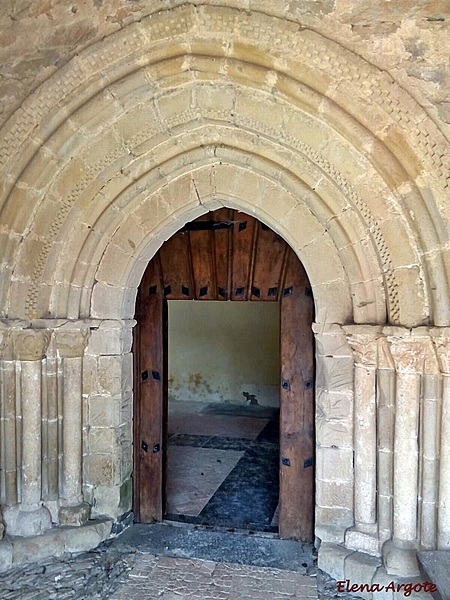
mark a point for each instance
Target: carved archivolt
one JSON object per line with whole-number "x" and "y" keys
{"x": 149, "y": 102}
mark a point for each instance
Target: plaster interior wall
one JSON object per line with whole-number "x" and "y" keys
{"x": 217, "y": 350}
{"x": 326, "y": 120}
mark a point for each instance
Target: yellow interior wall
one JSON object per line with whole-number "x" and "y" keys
{"x": 217, "y": 350}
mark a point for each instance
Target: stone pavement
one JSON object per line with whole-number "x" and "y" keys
{"x": 168, "y": 578}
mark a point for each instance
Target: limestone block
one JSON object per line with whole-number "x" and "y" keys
{"x": 176, "y": 107}
{"x": 102, "y": 439}
{"x": 129, "y": 236}
{"x": 5, "y": 555}
{"x": 137, "y": 125}
{"x": 334, "y": 464}
{"x": 360, "y": 568}
{"x": 106, "y": 302}
{"x": 101, "y": 469}
{"x": 102, "y": 109}
{"x": 128, "y": 303}
{"x": 218, "y": 100}
{"x": 248, "y": 110}
{"x": 90, "y": 375}
{"x": 104, "y": 411}
{"x": 111, "y": 337}
{"x": 27, "y": 522}
{"x": 114, "y": 264}
{"x": 86, "y": 537}
{"x": 335, "y": 373}
{"x": 411, "y": 295}
{"x": 31, "y": 549}
{"x": 333, "y": 432}
{"x": 400, "y": 561}
{"x": 110, "y": 370}
{"x": 334, "y": 494}
{"x": 363, "y": 542}
{"x": 74, "y": 515}
{"x": 331, "y": 559}
{"x": 300, "y": 220}
{"x": 107, "y": 501}
{"x": 333, "y": 301}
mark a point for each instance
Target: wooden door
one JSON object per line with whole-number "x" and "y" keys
{"x": 227, "y": 255}
{"x": 296, "y": 404}
{"x": 150, "y": 418}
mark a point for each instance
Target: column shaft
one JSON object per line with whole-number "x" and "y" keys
{"x": 444, "y": 471}
{"x": 365, "y": 446}
{"x": 406, "y": 454}
{"x": 72, "y": 431}
{"x": 31, "y": 431}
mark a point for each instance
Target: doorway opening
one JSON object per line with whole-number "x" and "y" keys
{"x": 227, "y": 255}
{"x": 223, "y": 414}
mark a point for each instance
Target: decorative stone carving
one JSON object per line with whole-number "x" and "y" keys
{"x": 30, "y": 344}
{"x": 409, "y": 351}
{"x": 71, "y": 344}
{"x": 363, "y": 342}
{"x": 441, "y": 339}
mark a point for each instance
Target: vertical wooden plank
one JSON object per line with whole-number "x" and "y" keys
{"x": 297, "y": 404}
{"x": 244, "y": 232}
{"x": 222, "y": 252}
{"x": 176, "y": 268}
{"x": 150, "y": 391}
{"x": 269, "y": 258}
{"x": 203, "y": 262}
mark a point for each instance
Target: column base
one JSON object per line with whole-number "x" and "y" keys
{"x": 74, "y": 515}
{"x": 363, "y": 541}
{"x": 21, "y": 521}
{"x": 400, "y": 561}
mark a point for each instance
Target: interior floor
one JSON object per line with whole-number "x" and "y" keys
{"x": 223, "y": 465}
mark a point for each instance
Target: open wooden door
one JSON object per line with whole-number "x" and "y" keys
{"x": 296, "y": 405}
{"x": 227, "y": 255}
{"x": 150, "y": 341}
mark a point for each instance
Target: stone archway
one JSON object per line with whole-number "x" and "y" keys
{"x": 153, "y": 127}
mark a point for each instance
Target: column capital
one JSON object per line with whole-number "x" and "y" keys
{"x": 441, "y": 340}
{"x": 71, "y": 344}
{"x": 363, "y": 340}
{"x": 412, "y": 350}
{"x": 30, "y": 344}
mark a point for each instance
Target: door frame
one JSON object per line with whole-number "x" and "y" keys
{"x": 297, "y": 439}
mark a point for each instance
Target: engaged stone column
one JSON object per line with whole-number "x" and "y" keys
{"x": 363, "y": 341}
{"x": 429, "y": 426}
{"x": 441, "y": 339}
{"x": 29, "y": 348}
{"x": 407, "y": 350}
{"x": 70, "y": 346}
{"x": 385, "y": 437}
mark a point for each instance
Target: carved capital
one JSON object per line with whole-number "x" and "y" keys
{"x": 71, "y": 344}
{"x": 441, "y": 339}
{"x": 412, "y": 351}
{"x": 30, "y": 344}
{"x": 363, "y": 340}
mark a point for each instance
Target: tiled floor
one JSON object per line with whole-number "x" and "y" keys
{"x": 168, "y": 578}
{"x": 223, "y": 465}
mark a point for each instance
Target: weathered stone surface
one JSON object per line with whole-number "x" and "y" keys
{"x": 74, "y": 515}
{"x": 85, "y": 537}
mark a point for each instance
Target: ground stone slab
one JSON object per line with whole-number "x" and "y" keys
{"x": 435, "y": 566}
{"x": 84, "y": 576}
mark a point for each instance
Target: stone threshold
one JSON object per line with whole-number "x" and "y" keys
{"x": 16, "y": 551}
